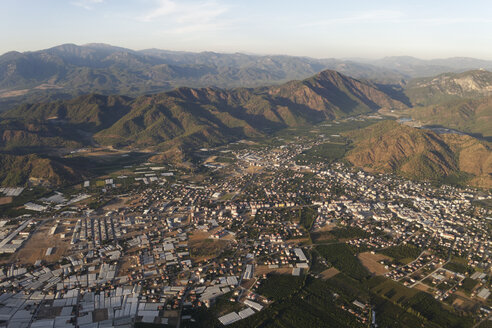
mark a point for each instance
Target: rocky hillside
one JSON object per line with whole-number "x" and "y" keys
{"x": 422, "y": 154}
{"x": 331, "y": 90}
{"x": 449, "y": 86}
{"x": 210, "y": 116}
{"x": 473, "y": 157}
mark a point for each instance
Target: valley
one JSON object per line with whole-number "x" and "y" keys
{"x": 139, "y": 190}
{"x": 262, "y": 232}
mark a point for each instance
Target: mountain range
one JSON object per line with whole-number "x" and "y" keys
{"x": 68, "y": 70}
{"x": 459, "y": 101}
{"x": 174, "y": 122}
{"x": 204, "y": 116}
{"x": 449, "y": 86}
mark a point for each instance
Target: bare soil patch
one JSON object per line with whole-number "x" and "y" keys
{"x": 322, "y": 236}
{"x": 329, "y": 273}
{"x": 204, "y": 248}
{"x": 14, "y": 93}
{"x": 264, "y": 269}
{"x": 35, "y": 248}
{"x": 116, "y": 204}
{"x": 5, "y": 200}
{"x": 371, "y": 262}
{"x": 423, "y": 287}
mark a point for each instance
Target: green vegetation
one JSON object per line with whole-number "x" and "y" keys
{"x": 198, "y": 117}
{"x": 278, "y": 286}
{"x": 313, "y": 306}
{"x": 19, "y": 170}
{"x": 342, "y": 258}
{"x": 402, "y": 253}
{"x": 459, "y": 265}
{"x": 398, "y": 306}
{"x": 185, "y": 119}
{"x": 338, "y": 234}
{"x": 468, "y": 284}
{"x": 349, "y": 232}
{"x": 486, "y": 324}
{"x": 326, "y": 153}
{"x": 317, "y": 303}
{"x": 394, "y": 291}
{"x": 390, "y": 315}
{"x": 432, "y": 310}
{"x": 468, "y": 115}
{"x": 308, "y": 215}
{"x": 13, "y": 210}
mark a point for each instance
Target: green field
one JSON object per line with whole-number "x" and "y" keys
{"x": 402, "y": 254}
{"x": 468, "y": 284}
{"x": 278, "y": 286}
{"x": 324, "y": 153}
{"x": 342, "y": 258}
{"x": 308, "y": 215}
{"x": 458, "y": 265}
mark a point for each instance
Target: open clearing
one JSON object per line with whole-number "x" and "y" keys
{"x": 371, "y": 262}
{"x": 423, "y": 287}
{"x": 5, "y": 200}
{"x": 264, "y": 269}
{"x": 328, "y": 273}
{"x": 203, "y": 248}
{"x": 35, "y": 248}
{"x": 322, "y": 236}
{"x": 116, "y": 204}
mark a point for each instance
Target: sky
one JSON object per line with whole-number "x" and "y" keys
{"x": 315, "y": 28}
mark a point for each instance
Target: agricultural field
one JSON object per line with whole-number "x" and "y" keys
{"x": 342, "y": 258}
{"x": 402, "y": 254}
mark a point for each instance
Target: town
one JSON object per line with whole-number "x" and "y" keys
{"x": 171, "y": 246}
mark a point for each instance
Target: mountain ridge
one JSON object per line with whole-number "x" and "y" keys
{"x": 207, "y": 115}
{"x": 421, "y": 154}
{"x": 69, "y": 70}
{"x": 449, "y": 86}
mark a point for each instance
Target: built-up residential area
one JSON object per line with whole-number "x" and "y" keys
{"x": 167, "y": 245}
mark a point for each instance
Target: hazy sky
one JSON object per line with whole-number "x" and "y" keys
{"x": 324, "y": 28}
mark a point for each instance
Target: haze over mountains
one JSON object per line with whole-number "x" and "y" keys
{"x": 70, "y": 96}
{"x": 69, "y": 70}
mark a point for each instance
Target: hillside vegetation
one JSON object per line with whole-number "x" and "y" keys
{"x": 421, "y": 154}
{"x": 193, "y": 117}
{"x": 34, "y": 170}
{"x": 467, "y": 115}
